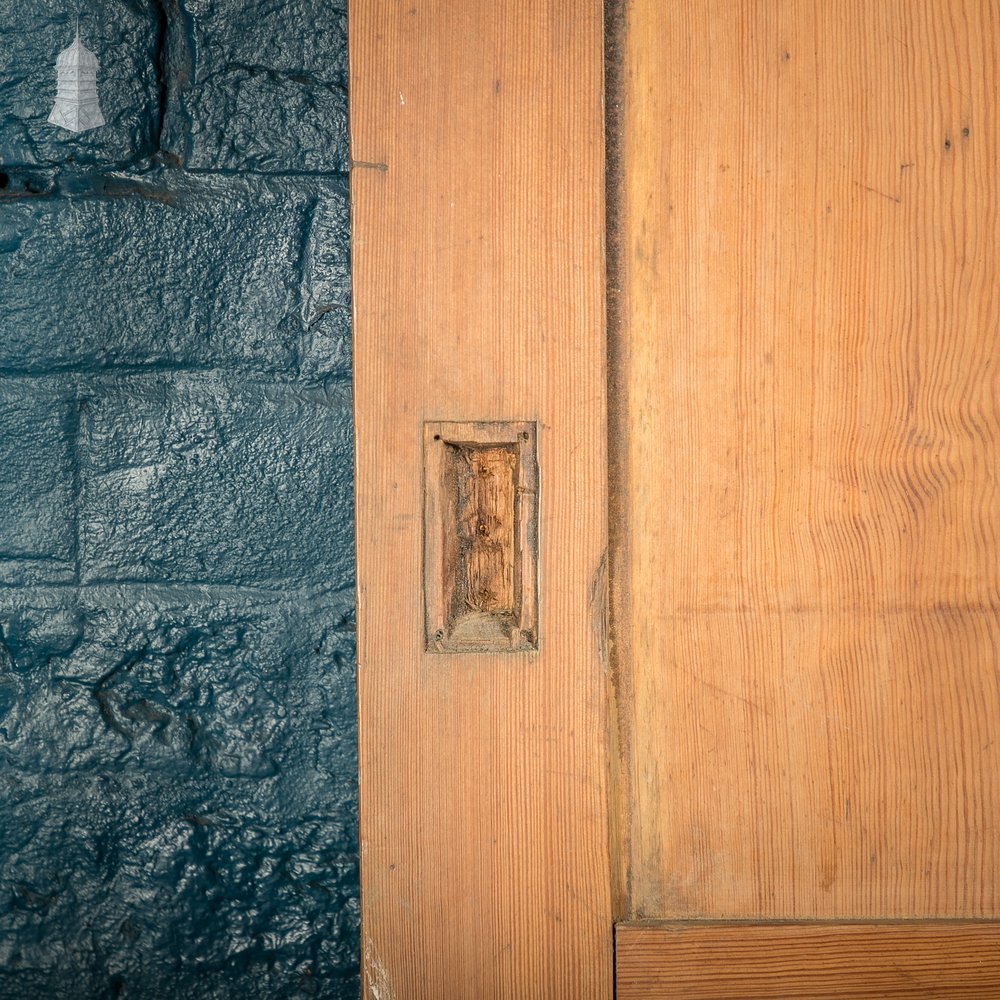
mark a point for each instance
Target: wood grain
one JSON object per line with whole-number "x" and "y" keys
{"x": 478, "y": 296}
{"x": 808, "y": 428}
{"x": 815, "y": 961}
{"x": 484, "y": 481}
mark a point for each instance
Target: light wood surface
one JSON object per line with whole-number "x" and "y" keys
{"x": 812, "y": 961}
{"x": 807, "y": 639}
{"x": 478, "y": 220}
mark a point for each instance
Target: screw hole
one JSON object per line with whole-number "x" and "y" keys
{"x": 437, "y": 437}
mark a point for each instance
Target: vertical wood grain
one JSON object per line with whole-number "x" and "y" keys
{"x": 808, "y": 342}
{"x": 477, "y": 135}
{"x": 485, "y": 483}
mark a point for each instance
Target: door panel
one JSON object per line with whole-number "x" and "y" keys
{"x": 805, "y": 448}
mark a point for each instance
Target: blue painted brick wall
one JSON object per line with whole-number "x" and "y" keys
{"x": 178, "y": 747}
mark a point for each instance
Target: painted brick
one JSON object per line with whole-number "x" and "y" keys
{"x": 177, "y": 697}
{"x": 326, "y": 291}
{"x": 205, "y": 272}
{"x": 169, "y": 832}
{"x": 264, "y": 98}
{"x": 193, "y": 479}
{"x": 37, "y": 517}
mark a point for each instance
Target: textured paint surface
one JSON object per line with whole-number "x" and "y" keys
{"x": 178, "y": 747}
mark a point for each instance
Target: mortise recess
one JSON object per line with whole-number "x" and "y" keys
{"x": 480, "y": 537}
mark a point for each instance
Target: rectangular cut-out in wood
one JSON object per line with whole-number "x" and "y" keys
{"x": 480, "y": 537}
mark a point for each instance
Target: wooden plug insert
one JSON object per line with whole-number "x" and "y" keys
{"x": 480, "y": 537}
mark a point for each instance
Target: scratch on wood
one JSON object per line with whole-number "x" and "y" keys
{"x": 598, "y": 605}
{"x": 379, "y": 986}
{"x": 726, "y": 693}
{"x": 881, "y": 194}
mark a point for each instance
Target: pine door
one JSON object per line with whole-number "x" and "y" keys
{"x": 677, "y": 336}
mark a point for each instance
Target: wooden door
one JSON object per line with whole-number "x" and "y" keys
{"x": 799, "y": 795}
{"x": 805, "y": 443}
